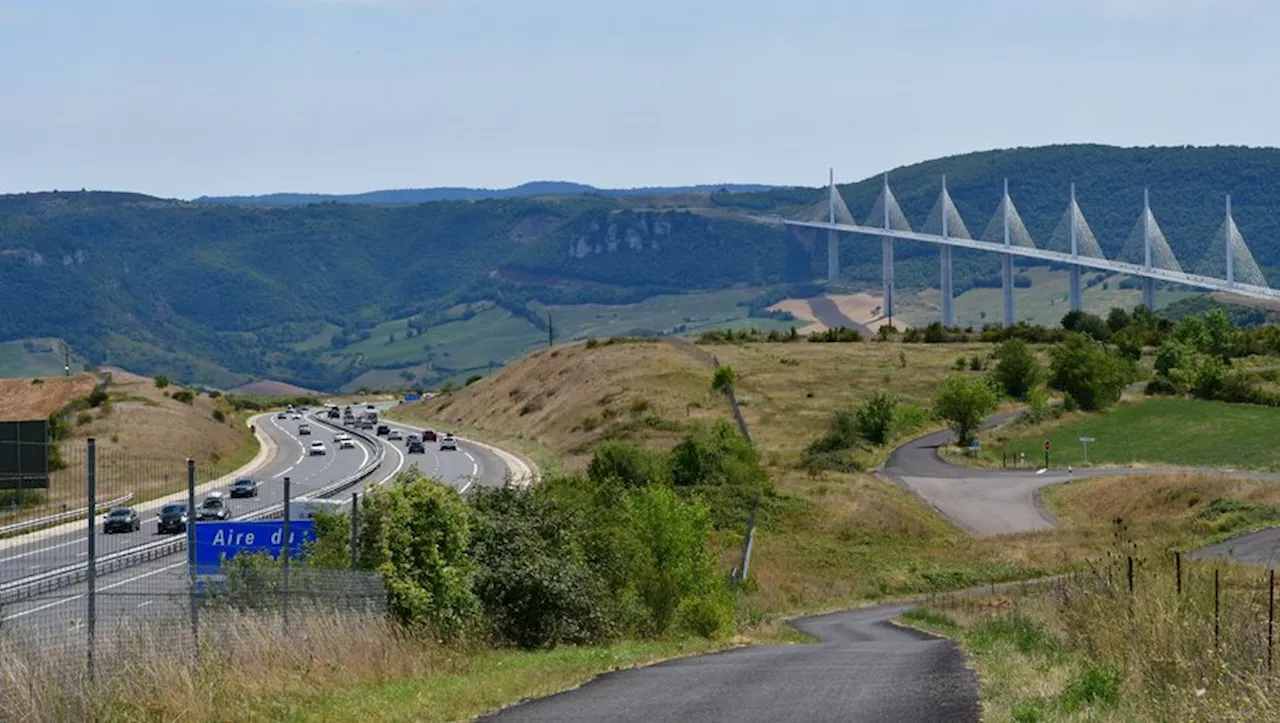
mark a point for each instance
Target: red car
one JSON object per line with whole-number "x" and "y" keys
{"x": 428, "y": 435}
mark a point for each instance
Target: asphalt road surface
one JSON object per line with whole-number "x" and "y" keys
{"x": 862, "y": 670}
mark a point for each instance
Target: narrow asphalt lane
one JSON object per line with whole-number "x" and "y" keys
{"x": 864, "y": 669}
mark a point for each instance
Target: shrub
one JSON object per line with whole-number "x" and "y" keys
{"x": 97, "y": 397}
{"x": 214, "y": 394}
{"x": 842, "y": 433}
{"x": 627, "y": 464}
{"x": 473, "y": 379}
{"x": 874, "y": 419}
{"x": 37, "y": 381}
{"x": 162, "y": 382}
{"x": 638, "y": 406}
{"x": 1092, "y": 376}
{"x": 84, "y": 418}
{"x": 724, "y": 378}
{"x": 592, "y": 342}
{"x": 964, "y": 403}
{"x": 186, "y": 396}
{"x": 218, "y": 416}
{"x": 416, "y": 533}
{"x": 1017, "y": 369}
{"x": 1094, "y": 683}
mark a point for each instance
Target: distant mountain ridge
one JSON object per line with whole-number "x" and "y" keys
{"x": 396, "y": 197}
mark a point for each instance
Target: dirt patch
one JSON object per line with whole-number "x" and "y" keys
{"x": 799, "y": 308}
{"x": 23, "y": 399}
{"x": 530, "y": 228}
{"x": 866, "y": 309}
{"x": 829, "y": 315}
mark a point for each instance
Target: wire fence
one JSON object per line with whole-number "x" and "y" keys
{"x": 74, "y": 587}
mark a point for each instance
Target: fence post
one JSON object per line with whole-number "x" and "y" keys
{"x": 284, "y": 554}
{"x": 1271, "y": 618}
{"x": 91, "y": 572}
{"x": 1216, "y": 607}
{"x": 1177, "y": 561}
{"x": 1131, "y": 574}
{"x": 747, "y": 543}
{"x": 193, "y": 603}
{"x": 355, "y": 530}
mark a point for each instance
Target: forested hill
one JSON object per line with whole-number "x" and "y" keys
{"x": 426, "y": 195}
{"x": 218, "y": 293}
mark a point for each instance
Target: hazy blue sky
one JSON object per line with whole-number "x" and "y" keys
{"x": 189, "y": 97}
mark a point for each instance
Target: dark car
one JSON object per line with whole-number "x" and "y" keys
{"x": 121, "y": 519}
{"x": 334, "y": 413}
{"x": 244, "y": 487}
{"x": 429, "y": 435}
{"x": 416, "y": 447}
{"x": 383, "y": 430}
{"x": 172, "y": 518}
{"x": 213, "y": 508}
{"x": 282, "y": 415}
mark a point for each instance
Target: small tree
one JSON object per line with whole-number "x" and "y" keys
{"x": 1017, "y": 369}
{"x": 724, "y": 378}
{"x": 162, "y": 382}
{"x": 874, "y": 419}
{"x": 964, "y": 403}
{"x": 1088, "y": 373}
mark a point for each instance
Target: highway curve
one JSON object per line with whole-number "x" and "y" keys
{"x": 158, "y": 587}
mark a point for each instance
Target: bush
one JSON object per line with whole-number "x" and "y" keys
{"x": 473, "y": 379}
{"x": 84, "y": 418}
{"x": 214, "y": 394}
{"x": 97, "y": 397}
{"x": 964, "y": 403}
{"x": 218, "y": 416}
{"x": 186, "y": 396}
{"x": 533, "y": 576}
{"x": 416, "y": 533}
{"x": 162, "y": 382}
{"x": 1092, "y": 376}
{"x": 874, "y": 419}
{"x": 1017, "y": 370}
{"x": 724, "y": 378}
{"x": 842, "y": 433}
{"x": 627, "y": 464}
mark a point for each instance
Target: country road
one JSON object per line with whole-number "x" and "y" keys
{"x": 863, "y": 668}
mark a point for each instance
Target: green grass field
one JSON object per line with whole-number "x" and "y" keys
{"x": 1044, "y": 303}
{"x": 34, "y": 358}
{"x": 1179, "y": 432}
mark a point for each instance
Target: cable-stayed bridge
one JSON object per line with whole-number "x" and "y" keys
{"x": 1228, "y": 265}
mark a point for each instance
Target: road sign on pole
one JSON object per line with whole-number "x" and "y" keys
{"x": 1047, "y": 445}
{"x": 217, "y": 542}
{"x": 1085, "y": 441}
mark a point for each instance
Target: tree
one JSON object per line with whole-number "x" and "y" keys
{"x": 1017, "y": 369}
{"x": 1085, "y": 323}
{"x": 724, "y": 378}
{"x": 1118, "y": 319}
{"x": 874, "y": 419}
{"x": 626, "y": 463}
{"x": 162, "y": 381}
{"x": 964, "y": 402}
{"x": 416, "y": 533}
{"x": 1090, "y": 375}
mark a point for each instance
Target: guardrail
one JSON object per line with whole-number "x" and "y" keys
{"x": 50, "y": 580}
{"x": 16, "y": 527}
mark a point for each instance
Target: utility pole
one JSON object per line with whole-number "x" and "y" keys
{"x": 551, "y": 331}
{"x": 66, "y": 359}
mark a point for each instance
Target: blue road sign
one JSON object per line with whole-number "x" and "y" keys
{"x": 219, "y": 541}
{"x": 412, "y": 397}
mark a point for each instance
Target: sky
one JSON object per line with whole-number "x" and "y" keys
{"x": 182, "y": 98}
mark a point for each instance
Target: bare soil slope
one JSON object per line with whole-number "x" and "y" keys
{"x": 36, "y": 399}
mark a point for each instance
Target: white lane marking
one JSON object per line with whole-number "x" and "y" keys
{"x": 112, "y": 586}
{"x": 464, "y": 488}
{"x": 19, "y": 556}
{"x": 1041, "y": 471}
{"x": 475, "y": 466}
{"x": 145, "y": 603}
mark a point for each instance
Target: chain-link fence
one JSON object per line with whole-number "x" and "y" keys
{"x": 76, "y": 587}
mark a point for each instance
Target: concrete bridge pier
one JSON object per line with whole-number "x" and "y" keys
{"x": 886, "y": 250}
{"x": 947, "y": 304}
{"x": 1074, "y": 292}
{"x": 1006, "y": 262}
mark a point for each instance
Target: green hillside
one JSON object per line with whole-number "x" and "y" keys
{"x": 311, "y": 294}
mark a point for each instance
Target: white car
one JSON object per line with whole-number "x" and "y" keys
{"x": 347, "y": 443}
{"x": 395, "y": 434}
{"x": 448, "y": 442}
{"x": 317, "y": 447}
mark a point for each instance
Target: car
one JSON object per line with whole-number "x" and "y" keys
{"x": 383, "y": 430}
{"x": 296, "y": 416}
{"x": 369, "y": 406}
{"x": 334, "y": 413}
{"x": 395, "y": 434}
{"x": 121, "y": 519}
{"x": 448, "y": 442}
{"x": 172, "y": 518}
{"x": 244, "y": 487}
{"x": 416, "y": 447}
{"x": 317, "y": 447}
{"x": 366, "y": 424}
{"x": 213, "y": 508}
{"x": 346, "y": 443}
{"x": 429, "y": 435}
{"x": 282, "y": 415}
{"x": 304, "y": 429}
{"x": 410, "y": 439}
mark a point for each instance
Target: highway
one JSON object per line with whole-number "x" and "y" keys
{"x": 158, "y": 588}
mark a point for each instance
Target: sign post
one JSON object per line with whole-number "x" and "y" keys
{"x": 1085, "y": 441}
{"x": 974, "y": 447}
{"x": 1047, "y": 446}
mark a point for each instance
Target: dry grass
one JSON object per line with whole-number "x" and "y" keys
{"x": 21, "y": 399}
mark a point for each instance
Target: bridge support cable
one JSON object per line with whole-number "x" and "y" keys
{"x": 1075, "y": 293}
{"x": 1073, "y": 236}
{"x": 1148, "y": 249}
{"x": 887, "y": 214}
{"x": 833, "y": 241}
